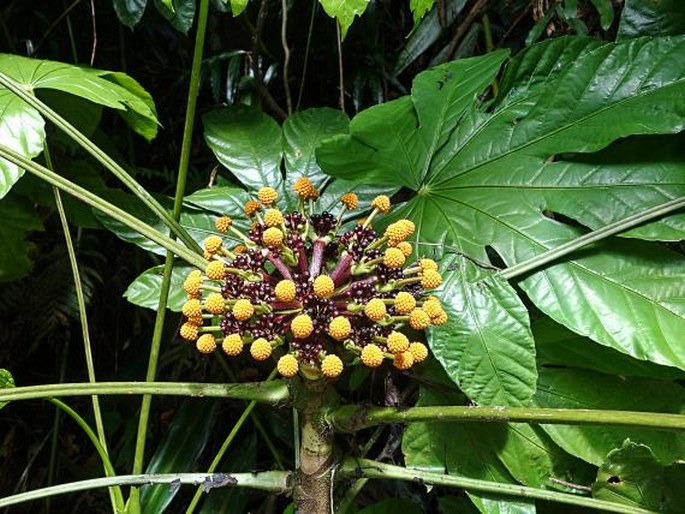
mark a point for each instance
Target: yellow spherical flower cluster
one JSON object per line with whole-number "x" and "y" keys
{"x": 273, "y": 218}
{"x": 350, "y": 201}
{"x": 310, "y": 289}
{"x": 288, "y": 365}
{"x": 305, "y": 189}
{"x": 267, "y": 195}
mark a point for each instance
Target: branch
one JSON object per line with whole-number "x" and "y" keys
{"x": 351, "y": 418}
{"x": 276, "y": 481}
{"x": 275, "y": 392}
{"x": 372, "y": 469}
{"x": 592, "y": 237}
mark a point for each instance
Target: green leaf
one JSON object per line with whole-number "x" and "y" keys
{"x": 344, "y": 11}
{"x": 453, "y": 448}
{"x": 393, "y": 506}
{"x": 606, "y": 12}
{"x": 180, "y": 13}
{"x": 129, "y": 12}
{"x": 651, "y": 18}
{"x": 238, "y": 6}
{"x": 6, "y": 381}
{"x": 419, "y": 8}
{"x": 575, "y": 389}
{"x": 179, "y": 450}
{"x": 248, "y": 143}
{"x": 222, "y": 201}
{"x": 493, "y": 504}
{"x": 492, "y": 181}
{"x": 486, "y": 347}
{"x": 18, "y": 219}
{"x": 631, "y": 475}
{"x": 557, "y": 346}
{"x": 144, "y": 290}
{"x": 22, "y": 127}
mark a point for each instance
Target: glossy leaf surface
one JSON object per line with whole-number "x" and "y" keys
{"x": 651, "y": 18}
{"x": 497, "y": 177}
{"x": 487, "y": 347}
{"x": 575, "y": 389}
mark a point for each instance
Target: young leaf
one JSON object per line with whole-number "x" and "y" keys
{"x": 419, "y": 8}
{"x": 489, "y": 176}
{"x": 486, "y": 347}
{"x": 6, "y": 381}
{"x": 575, "y": 389}
{"x": 344, "y": 11}
{"x": 238, "y": 6}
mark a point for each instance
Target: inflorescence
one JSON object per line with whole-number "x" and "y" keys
{"x": 319, "y": 298}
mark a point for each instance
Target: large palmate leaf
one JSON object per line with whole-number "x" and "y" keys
{"x": 487, "y": 348}
{"x": 18, "y": 218}
{"x": 575, "y": 389}
{"x": 23, "y": 129}
{"x": 495, "y": 178}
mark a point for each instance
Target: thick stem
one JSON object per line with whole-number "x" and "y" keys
{"x": 372, "y": 469}
{"x": 350, "y": 418}
{"x": 280, "y": 266}
{"x": 312, "y": 484}
{"x": 275, "y": 392}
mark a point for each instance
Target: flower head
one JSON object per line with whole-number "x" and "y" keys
{"x": 316, "y": 293}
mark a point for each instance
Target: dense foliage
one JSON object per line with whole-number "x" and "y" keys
{"x": 535, "y": 146}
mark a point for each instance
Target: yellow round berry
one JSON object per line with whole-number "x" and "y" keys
{"x": 425, "y": 264}
{"x": 242, "y": 310}
{"x": 350, "y": 201}
{"x": 432, "y": 307}
{"x": 215, "y": 270}
{"x": 372, "y": 356}
{"x": 267, "y": 195}
{"x": 440, "y": 318}
{"x": 305, "y": 189}
{"x": 252, "y": 206}
{"x": 331, "y": 366}
{"x": 260, "y": 349}
{"x": 397, "y": 342}
{"x": 404, "y": 302}
{"x": 408, "y": 227}
{"x": 288, "y": 366}
{"x": 215, "y": 303}
{"x": 189, "y": 331}
{"x": 273, "y": 218}
{"x": 403, "y": 360}
{"x": 323, "y": 286}
{"x": 272, "y": 237}
{"x": 223, "y": 223}
{"x": 192, "y": 283}
{"x": 405, "y": 248}
{"x": 240, "y": 249}
{"x": 382, "y": 203}
{"x": 394, "y": 258}
{"x": 419, "y": 319}
{"x": 285, "y": 291}
{"x": 400, "y": 230}
{"x": 206, "y": 343}
{"x": 232, "y": 344}
{"x": 195, "y": 320}
{"x": 375, "y": 309}
{"x": 302, "y": 326}
{"x": 430, "y": 279}
{"x": 339, "y": 328}
{"x": 192, "y": 309}
{"x": 213, "y": 244}
{"x": 418, "y": 351}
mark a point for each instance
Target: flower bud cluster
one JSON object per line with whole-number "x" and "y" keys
{"x": 295, "y": 287}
